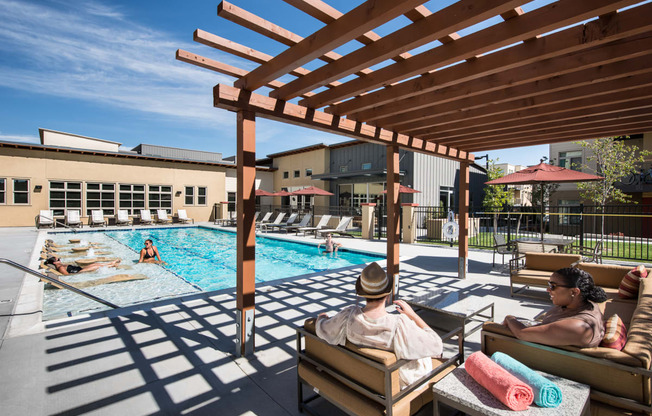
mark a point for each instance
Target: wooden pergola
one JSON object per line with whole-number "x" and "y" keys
{"x": 570, "y": 70}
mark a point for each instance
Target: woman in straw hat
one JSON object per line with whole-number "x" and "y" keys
{"x": 406, "y": 334}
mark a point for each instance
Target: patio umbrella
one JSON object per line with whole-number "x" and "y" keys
{"x": 402, "y": 189}
{"x": 262, "y": 192}
{"x": 282, "y": 193}
{"x": 312, "y": 190}
{"x": 541, "y": 174}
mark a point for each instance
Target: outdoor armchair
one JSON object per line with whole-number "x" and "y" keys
{"x": 145, "y": 217}
{"x": 122, "y": 218}
{"x": 162, "y": 217}
{"x": 589, "y": 254}
{"x": 45, "y": 218}
{"x": 97, "y": 218}
{"x": 73, "y": 218}
{"x": 502, "y": 247}
{"x": 183, "y": 217}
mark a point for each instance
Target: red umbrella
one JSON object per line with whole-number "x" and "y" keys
{"x": 262, "y": 192}
{"x": 543, "y": 173}
{"x": 402, "y": 189}
{"x": 282, "y": 193}
{"x": 312, "y": 190}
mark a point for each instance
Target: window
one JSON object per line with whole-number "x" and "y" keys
{"x": 366, "y": 166}
{"x": 571, "y": 160}
{"x": 21, "y": 191}
{"x": 190, "y": 195}
{"x": 286, "y": 175}
{"x": 571, "y": 207}
{"x": 100, "y": 196}
{"x": 64, "y": 196}
{"x": 297, "y": 173}
{"x": 344, "y": 168}
{"x": 231, "y": 198}
{"x": 132, "y": 198}
{"x": 160, "y": 197}
{"x": 308, "y": 172}
{"x": 2, "y": 191}
{"x": 201, "y": 195}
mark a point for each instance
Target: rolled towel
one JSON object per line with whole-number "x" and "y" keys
{"x": 546, "y": 393}
{"x": 511, "y": 391}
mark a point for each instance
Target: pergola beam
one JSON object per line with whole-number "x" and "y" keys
{"x": 235, "y": 99}
{"x": 526, "y": 26}
{"x": 353, "y": 24}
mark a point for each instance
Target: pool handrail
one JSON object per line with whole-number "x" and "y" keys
{"x": 58, "y": 283}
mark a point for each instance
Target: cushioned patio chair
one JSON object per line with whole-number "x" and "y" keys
{"x": 122, "y": 218}
{"x": 73, "y": 218}
{"x": 323, "y": 222}
{"x": 362, "y": 380}
{"x": 304, "y": 222}
{"x": 162, "y": 217}
{"x": 290, "y": 221}
{"x": 340, "y": 229}
{"x": 277, "y": 221}
{"x": 45, "y": 218}
{"x": 97, "y": 218}
{"x": 183, "y": 217}
{"x": 145, "y": 217}
{"x": 589, "y": 254}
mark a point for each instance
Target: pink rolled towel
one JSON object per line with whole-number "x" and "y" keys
{"x": 511, "y": 391}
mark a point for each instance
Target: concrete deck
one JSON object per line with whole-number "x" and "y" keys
{"x": 176, "y": 357}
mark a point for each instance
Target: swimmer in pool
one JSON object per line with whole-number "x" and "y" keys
{"x": 330, "y": 245}
{"x": 67, "y": 269}
{"x": 150, "y": 253}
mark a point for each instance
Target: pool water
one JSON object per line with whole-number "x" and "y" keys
{"x": 198, "y": 260}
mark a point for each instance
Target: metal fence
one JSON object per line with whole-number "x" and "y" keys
{"x": 628, "y": 228}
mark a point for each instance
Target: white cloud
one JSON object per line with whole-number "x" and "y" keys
{"x": 18, "y": 138}
{"x": 91, "y": 51}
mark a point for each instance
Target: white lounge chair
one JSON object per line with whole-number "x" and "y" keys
{"x": 323, "y": 222}
{"x": 97, "y": 218}
{"x": 183, "y": 217}
{"x": 145, "y": 217}
{"x": 123, "y": 218}
{"x": 289, "y": 222}
{"x": 45, "y": 218}
{"x": 277, "y": 221}
{"x": 73, "y": 218}
{"x": 162, "y": 217}
{"x": 265, "y": 219}
{"x": 303, "y": 223}
{"x": 340, "y": 229}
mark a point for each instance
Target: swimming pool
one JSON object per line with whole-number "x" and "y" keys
{"x": 199, "y": 260}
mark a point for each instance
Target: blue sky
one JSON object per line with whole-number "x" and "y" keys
{"x": 107, "y": 69}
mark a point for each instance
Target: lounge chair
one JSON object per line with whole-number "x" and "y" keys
{"x": 97, "y": 218}
{"x": 123, "y": 218}
{"x": 277, "y": 221}
{"x": 340, "y": 229}
{"x": 45, "y": 218}
{"x": 183, "y": 217}
{"x": 303, "y": 223}
{"x": 287, "y": 223}
{"x": 162, "y": 217}
{"x": 145, "y": 217}
{"x": 265, "y": 219}
{"x": 323, "y": 222}
{"x": 72, "y": 218}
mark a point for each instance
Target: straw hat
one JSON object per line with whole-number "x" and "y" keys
{"x": 373, "y": 282}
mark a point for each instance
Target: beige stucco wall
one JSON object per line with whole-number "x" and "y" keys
{"x": 42, "y": 166}
{"x": 317, "y": 160}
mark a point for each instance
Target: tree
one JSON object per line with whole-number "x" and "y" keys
{"x": 614, "y": 160}
{"x": 496, "y": 196}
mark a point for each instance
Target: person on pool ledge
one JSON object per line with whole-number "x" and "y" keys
{"x": 149, "y": 254}
{"x": 67, "y": 269}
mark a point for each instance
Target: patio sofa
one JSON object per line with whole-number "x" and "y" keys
{"x": 535, "y": 268}
{"x": 617, "y": 378}
{"x": 363, "y": 381}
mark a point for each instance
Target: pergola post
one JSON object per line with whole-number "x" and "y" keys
{"x": 393, "y": 215}
{"x": 463, "y": 240}
{"x": 246, "y": 235}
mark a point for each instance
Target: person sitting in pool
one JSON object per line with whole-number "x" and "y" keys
{"x": 67, "y": 269}
{"x": 405, "y": 333}
{"x": 574, "y": 320}
{"x": 150, "y": 253}
{"x": 330, "y": 245}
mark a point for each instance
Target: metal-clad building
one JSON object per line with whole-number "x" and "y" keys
{"x": 176, "y": 153}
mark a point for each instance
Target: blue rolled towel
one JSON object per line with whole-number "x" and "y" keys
{"x": 546, "y": 393}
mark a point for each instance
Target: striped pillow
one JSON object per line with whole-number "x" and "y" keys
{"x": 629, "y": 285}
{"x": 615, "y": 333}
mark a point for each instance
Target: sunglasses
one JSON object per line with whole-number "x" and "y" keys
{"x": 553, "y": 285}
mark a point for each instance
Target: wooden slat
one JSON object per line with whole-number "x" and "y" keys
{"x": 234, "y": 99}
{"x": 450, "y": 19}
{"x": 550, "y": 46}
{"x": 358, "y": 21}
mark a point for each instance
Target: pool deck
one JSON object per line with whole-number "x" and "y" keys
{"x": 177, "y": 356}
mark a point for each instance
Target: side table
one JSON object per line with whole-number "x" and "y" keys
{"x": 461, "y": 392}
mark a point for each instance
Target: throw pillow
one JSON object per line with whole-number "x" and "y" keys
{"x": 628, "y": 288}
{"x": 615, "y": 333}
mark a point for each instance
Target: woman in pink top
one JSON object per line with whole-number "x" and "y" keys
{"x": 575, "y": 319}
{"x": 406, "y": 334}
